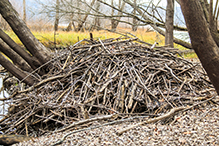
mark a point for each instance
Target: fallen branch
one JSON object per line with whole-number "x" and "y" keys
{"x": 87, "y": 121}
{"x": 167, "y": 115}
{"x": 6, "y": 139}
{"x": 94, "y": 127}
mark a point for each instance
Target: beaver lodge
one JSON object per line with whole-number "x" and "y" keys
{"x": 91, "y": 79}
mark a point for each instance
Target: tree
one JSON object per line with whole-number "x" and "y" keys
{"x": 115, "y": 22}
{"x": 37, "y": 54}
{"x": 169, "y": 23}
{"x": 202, "y": 39}
{"x": 81, "y": 23}
{"x": 24, "y": 11}
{"x": 134, "y": 26}
{"x": 56, "y": 25}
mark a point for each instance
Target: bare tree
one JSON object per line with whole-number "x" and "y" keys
{"x": 113, "y": 27}
{"x": 202, "y": 40}
{"x": 39, "y": 53}
{"x": 24, "y": 11}
{"x": 134, "y": 26}
{"x": 56, "y": 25}
{"x": 141, "y": 14}
{"x": 97, "y": 19}
{"x": 96, "y": 23}
{"x": 115, "y": 22}
{"x": 169, "y": 23}
{"x": 81, "y": 23}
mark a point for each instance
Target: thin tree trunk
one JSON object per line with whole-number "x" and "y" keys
{"x": 31, "y": 60}
{"x": 201, "y": 39}
{"x": 115, "y": 23}
{"x": 78, "y": 13}
{"x": 177, "y": 41}
{"x": 56, "y": 25}
{"x": 17, "y": 60}
{"x": 81, "y": 23}
{"x": 23, "y": 32}
{"x": 169, "y": 23}
{"x": 97, "y": 19}
{"x": 17, "y": 72}
{"x": 24, "y": 12}
{"x": 69, "y": 27}
{"x": 134, "y": 26}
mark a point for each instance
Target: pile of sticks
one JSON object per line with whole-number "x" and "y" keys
{"x": 119, "y": 76}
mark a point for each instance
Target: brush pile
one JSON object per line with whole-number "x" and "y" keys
{"x": 104, "y": 77}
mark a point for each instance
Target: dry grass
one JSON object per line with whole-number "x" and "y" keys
{"x": 64, "y": 39}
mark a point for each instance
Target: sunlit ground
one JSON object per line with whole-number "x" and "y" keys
{"x": 63, "y": 38}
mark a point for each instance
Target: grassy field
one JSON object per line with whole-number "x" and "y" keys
{"x": 64, "y": 39}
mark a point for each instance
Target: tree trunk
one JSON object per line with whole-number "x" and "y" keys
{"x": 56, "y": 25}
{"x": 115, "y": 23}
{"x": 177, "y": 41}
{"x": 169, "y": 23}
{"x": 69, "y": 27}
{"x": 32, "y": 61}
{"x": 81, "y": 23}
{"x": 134, "y": 26}
{"x": 17, "y": 60}
{"x": 97, "y": 19}
{"x": 24, "y": 12}
{"x": 36, "y": 56}
{"x": 17, "y": 72}
{"x": 23, "y": 32}
{"x": 201, "y": 39}
{"x": 78, "y": 12}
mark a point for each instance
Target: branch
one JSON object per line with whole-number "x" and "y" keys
{"x": 171, "y": 113}
{"x": 167, "y": 115}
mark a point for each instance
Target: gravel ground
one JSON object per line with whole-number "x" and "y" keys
{"x": 199, "y": 126}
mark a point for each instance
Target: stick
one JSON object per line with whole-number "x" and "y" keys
{"x": 167, "y": 115}
{"x": 94, "y": 127}
{"x": 171, "y": 113}
{"x": 86, "y": 121}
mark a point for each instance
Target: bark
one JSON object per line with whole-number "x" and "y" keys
{"x": 169, "y": 23}
{"x": 134, "y": 26}
{"x": 23, "y": 32}
{"x": 113, "y": 21}
{"x": 205, "y": 10}
{"x": 33, "y": 62}
{"x": 201, "y": 39}
{"x": 213, "y": 24}
{"x": 17, "y": 72}
{"x": 24, "y": 11}
{"x": 210, "y": 18}
{"x": 17, "y": 60}
{"x": 56, "y": 25}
